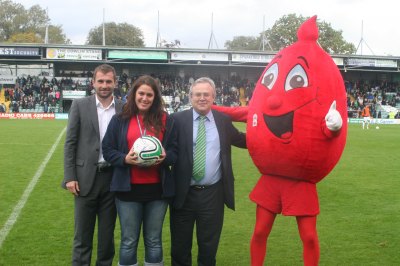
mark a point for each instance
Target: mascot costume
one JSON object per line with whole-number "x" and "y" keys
{"x": 296, "y": 133}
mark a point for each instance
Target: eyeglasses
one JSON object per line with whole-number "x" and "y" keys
{"x": 199, "y": 95}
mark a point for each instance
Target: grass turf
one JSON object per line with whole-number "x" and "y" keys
{"x": 359, "y": 200}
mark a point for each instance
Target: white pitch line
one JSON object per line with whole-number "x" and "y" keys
{"x": 21, "y": 203}
{"x": 23, "y": 144}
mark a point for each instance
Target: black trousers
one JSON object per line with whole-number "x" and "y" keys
{"x": 100, "y": 204}
{"x": 205, "y": 208}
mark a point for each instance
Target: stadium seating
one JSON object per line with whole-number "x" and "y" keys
{"x": 232, "y": 92}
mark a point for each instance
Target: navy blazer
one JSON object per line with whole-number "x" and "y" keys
{"x": 182, "y": 170}
{"x": 115, "y": 148}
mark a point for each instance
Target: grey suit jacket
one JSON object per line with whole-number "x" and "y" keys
{"x": 82, "y": 143}
{"x": 182, "y": 170}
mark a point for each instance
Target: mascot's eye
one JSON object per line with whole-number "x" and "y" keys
{"x": 270, "y": 76}
{"x": 297, "y": 78}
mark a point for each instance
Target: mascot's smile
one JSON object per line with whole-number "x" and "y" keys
{"x": 281, "y": 126}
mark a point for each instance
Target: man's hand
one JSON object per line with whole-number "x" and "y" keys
{"x": 73, "y": 187}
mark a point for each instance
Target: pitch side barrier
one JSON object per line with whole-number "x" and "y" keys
{"x": 64, "y": 116}
{"x": 35, "y": 116}
{"x": 376, "y": 121}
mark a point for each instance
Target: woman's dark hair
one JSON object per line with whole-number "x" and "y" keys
{"x": 153, "y": 118}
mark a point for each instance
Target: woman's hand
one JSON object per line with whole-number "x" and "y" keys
{"x": 161, "y": 158}
{"x": 131, "y": 158}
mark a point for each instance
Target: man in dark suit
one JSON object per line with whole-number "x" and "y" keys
{"x": 86, "y": 174}
{"x": 202, "y": 191}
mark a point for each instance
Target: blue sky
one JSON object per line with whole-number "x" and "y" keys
{"x": 190, "y": 20}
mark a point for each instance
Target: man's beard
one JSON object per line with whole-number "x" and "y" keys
{"x": 100, "y": 95}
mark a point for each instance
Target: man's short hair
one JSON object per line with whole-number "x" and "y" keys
{"x": 104, "y": 68}
{"x": 203, "y": 80}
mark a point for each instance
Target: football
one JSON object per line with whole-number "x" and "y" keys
{"x": 148, "y": 150}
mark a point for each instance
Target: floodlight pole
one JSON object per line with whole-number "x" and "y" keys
{"x": 360, "y": 44}
{"x": 264, "y": 39}
{"x": 158, "y": 41}
{"x": 212, "y": 37}
{"x": 46, "y": 36}
{"x": 104, "y": 27}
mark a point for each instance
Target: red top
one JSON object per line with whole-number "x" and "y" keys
{"x": 142, "y": 175}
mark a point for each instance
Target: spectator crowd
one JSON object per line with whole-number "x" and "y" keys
{"x": 43, "y": 94}
{"x": 373, "y": 93}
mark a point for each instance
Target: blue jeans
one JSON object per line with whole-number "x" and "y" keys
{"x": 131, "y": 216}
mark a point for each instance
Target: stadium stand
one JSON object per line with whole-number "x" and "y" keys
{"x": 44, "y": 95}
{"x": 36, "y": 77}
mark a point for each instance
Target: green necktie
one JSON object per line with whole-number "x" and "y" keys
{"x": 199, "y": 166}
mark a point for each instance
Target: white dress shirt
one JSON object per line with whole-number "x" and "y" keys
{"x": 104, "y": 115}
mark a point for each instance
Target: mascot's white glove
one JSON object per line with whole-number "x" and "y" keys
{"x": 333, "y": 119}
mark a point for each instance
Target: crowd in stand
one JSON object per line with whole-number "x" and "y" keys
{"x": 228, "y": 91}
{"x": 31, "y": 92}
{"x": 43, "y": 94}
{"x": 372, "y": 93}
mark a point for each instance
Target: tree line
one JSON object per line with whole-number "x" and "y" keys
{"x": 284, "y": 32}
{"x": 21, "y": 25}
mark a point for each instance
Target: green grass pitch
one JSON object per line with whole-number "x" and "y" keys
{"x": 359, "y": 222}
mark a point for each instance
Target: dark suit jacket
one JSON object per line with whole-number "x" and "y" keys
{"x": 182, "y": 170}
{"x": 82, "y": 143}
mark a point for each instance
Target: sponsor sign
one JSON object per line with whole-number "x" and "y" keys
{"x": 252, "y": 58}
{"x": 371, "y": 62}
{"x": 73, "y": 54}
{"x": 61, "y": 116}
{"x": 338, "y": 61}
{"x": 146, "y": 55}
{"x": 7, "y": 80}
{"x": 385, "y": 63}
{"x": 19, "y": 51}
{"x": 189, "y": 56}
{"x": 377, "y": 121}
{"x": 40, "y": 116}
{"x": 73, "y": 94}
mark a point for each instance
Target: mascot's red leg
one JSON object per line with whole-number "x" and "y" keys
{"x": 258, "y": 245}
{"x": 308, "y": 233}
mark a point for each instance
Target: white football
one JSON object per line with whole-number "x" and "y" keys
{"x": 148, "y": 149}
{"x": 377, "y": 127}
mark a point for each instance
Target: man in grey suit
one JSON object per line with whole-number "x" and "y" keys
{"x": 86, "y": 174}
{"x": 202, "y": 189}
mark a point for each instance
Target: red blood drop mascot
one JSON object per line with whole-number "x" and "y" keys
{"x": 296, "y": 133}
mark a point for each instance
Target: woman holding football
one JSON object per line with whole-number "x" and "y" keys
{"x": 141, "y": 192}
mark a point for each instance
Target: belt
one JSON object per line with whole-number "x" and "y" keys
{"x": 201, "y": 187}
{"x": 103, "y": 167}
